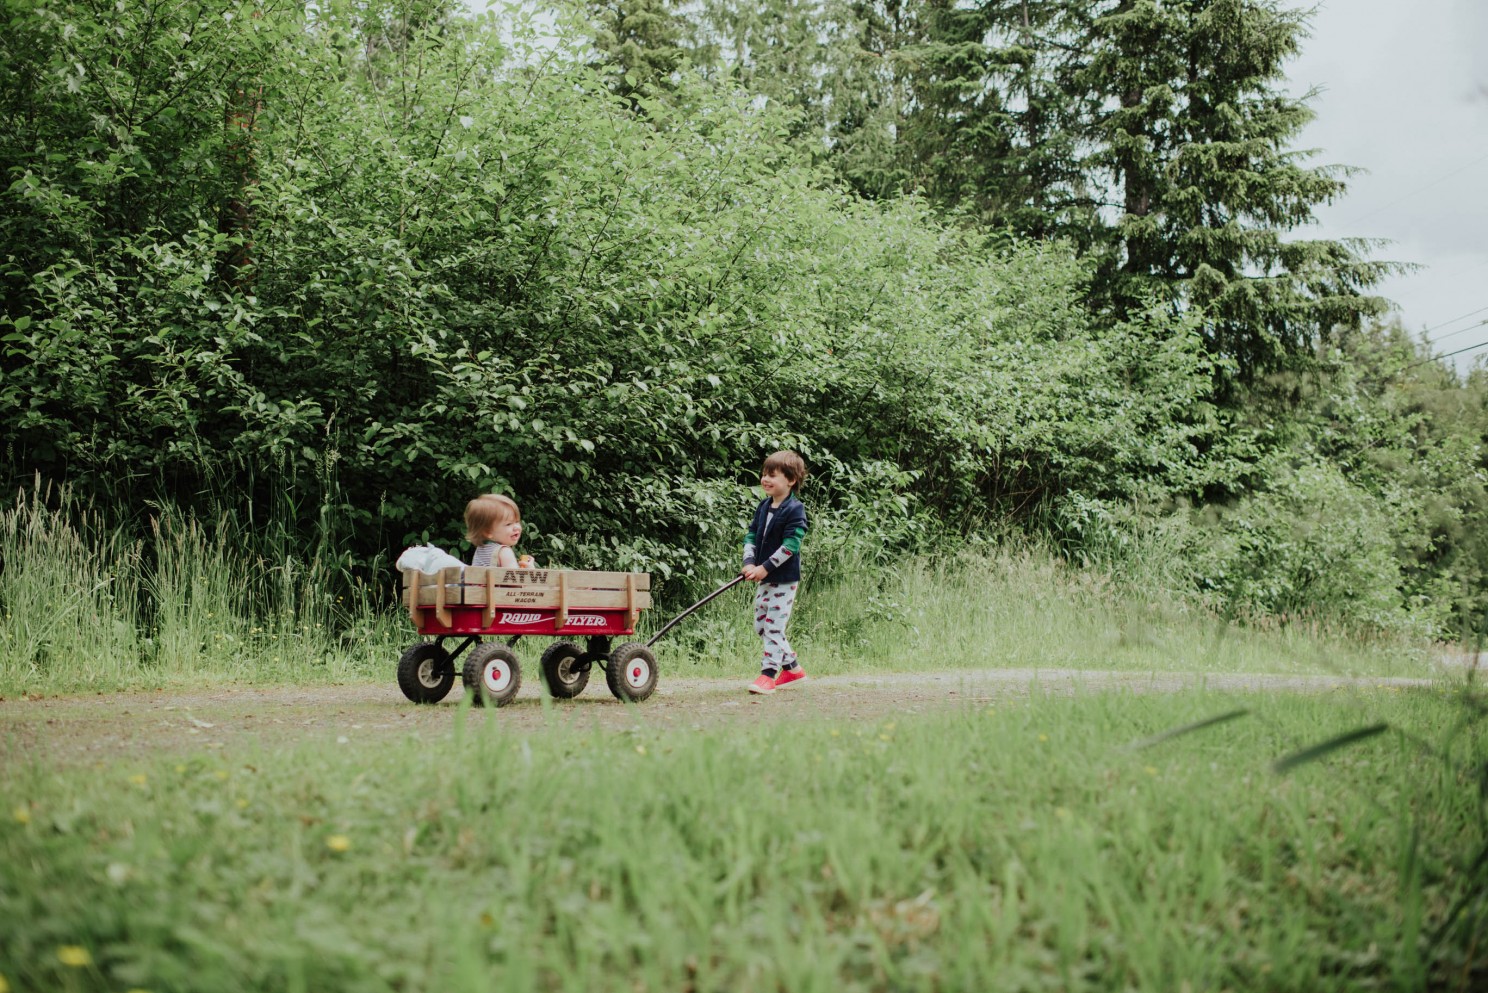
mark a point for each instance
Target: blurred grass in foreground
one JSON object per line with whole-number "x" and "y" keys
{"x": 1021, "y": 847}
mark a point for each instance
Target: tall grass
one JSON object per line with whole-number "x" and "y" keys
{"x": 1020, "y": 847}
{"x": 69, "y": 593}
{"x": 195, "y": 589}
{"x": 87, "y": 605}
{"x": 1014, "y": 607}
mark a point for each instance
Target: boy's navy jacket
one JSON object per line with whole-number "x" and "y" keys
{"x": 789, "y": 516}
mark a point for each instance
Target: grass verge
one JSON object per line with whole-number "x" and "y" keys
{"x": 1021, "y": 847}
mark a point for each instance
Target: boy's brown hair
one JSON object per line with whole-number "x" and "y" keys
{"x": 487, "y": 511}
{"x": 788, "y": 464}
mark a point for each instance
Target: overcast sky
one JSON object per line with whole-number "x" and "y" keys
{"x": 1404, "y": 95}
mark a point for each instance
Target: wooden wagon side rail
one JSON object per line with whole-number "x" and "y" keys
{"x": 561, "y": 590}
{"x": 431, "y": 589}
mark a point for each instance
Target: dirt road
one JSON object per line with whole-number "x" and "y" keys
{"x": 88, "y": 729}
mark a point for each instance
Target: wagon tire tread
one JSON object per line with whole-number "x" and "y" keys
{"x": 425, "y": 672}
{"x": 564, "y": 682}
{"x": 482, "y": 691}
{"x": 632, "y": 672}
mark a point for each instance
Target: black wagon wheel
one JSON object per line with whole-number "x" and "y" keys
{"x": 565, "y": 670}
{"x": 426, "y": 672}
{"x": 492, "y": 674}
{"x": 631, "y": 673}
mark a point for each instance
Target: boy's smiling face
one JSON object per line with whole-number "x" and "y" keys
{"x": 776, "y": 486}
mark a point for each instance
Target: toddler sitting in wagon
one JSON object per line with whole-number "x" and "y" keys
{"x": 493, "y": 523}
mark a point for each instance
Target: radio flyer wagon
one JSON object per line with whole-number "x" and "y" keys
{"x": 469, "y": 604}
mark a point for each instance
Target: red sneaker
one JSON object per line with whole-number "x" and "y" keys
{"x": 764, "y": 684}
{"x": 788, "y": 676}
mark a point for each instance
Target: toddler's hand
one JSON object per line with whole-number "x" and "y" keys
{"x": 754, "y": 573}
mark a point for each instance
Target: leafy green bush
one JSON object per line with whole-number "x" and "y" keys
{"x": 1312, "y": 543}
{"x": 381, "y": 264}
{"x": 493, "y": 276}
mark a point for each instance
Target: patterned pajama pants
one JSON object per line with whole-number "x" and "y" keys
{"x": 772, "y": 609}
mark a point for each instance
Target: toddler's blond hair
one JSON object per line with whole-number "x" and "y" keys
{"x": 487, "y": 511}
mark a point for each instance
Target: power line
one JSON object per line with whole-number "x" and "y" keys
{"x": 1454, "y": 334}
{"x": 1411, "y": 290}
{"x": 1454, "y": 320}
{"x": 1459, "y": 351}
{"x": 1445, "y": 355}
{"x": 1417, "y": 190}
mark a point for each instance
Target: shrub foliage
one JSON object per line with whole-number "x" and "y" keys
{"x": 345, "y": 266}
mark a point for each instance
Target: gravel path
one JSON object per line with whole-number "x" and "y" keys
{"x": 88, "y": 729}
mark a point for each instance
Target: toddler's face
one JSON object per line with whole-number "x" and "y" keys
{"x": 775, "y": 484}
{"x": 508, "y": 533}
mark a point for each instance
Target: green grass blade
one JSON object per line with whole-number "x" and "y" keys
{"x": 1321, "y": 749}
{"x": 1186, "y": 729}
{"x": 1473, "y": 895}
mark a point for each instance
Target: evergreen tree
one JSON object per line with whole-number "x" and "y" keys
{"x": 1154, "y": 135}
{"x": 1180, "y": 108}
{"x": 641, "y": 44}
{"x": 832, "y": 62}
{"x": 990, "y": 130}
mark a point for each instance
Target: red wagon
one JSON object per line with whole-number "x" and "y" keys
{"x": 473, "y": 603}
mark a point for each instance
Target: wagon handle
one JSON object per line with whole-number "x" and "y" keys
{"x": 673, "y": 622}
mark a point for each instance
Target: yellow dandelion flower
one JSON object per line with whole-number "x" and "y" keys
{"x": 139, "y": 779}
{"x": 74, "y": 955}
{"x": 1062, "y": 813}
{"x": 640, "y": 749}
{"x": 242, "y": 803}
{"x": 180, "y": 768}
{"x": 1043, "y": 737}
{"x": 1150, "y": 770}
{"x": 836, "y": 733}
{"x": 4, "y": 985}
{"x": 338, "y": 843}
{"x": 221, "y": 774}
{"x": 22, "y": 816}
